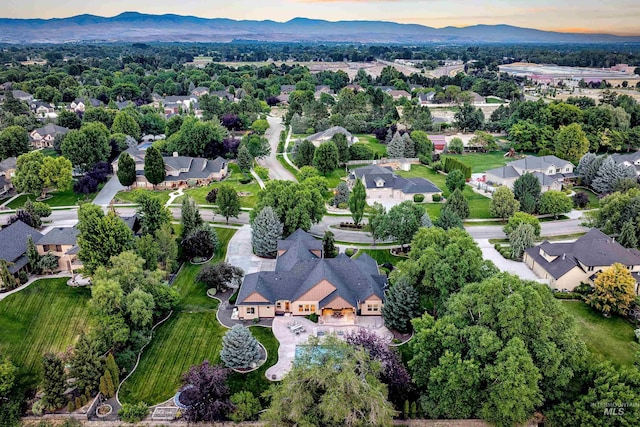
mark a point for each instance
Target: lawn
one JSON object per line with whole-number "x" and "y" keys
{"x": 46, "y": 316}
{"x": 50, "y": 152}
{"x": 610, "y": 339}
{"x": 381, "y": 256}
{"x": 482, "y": 162}
{"x": 60, "y": 198}
{"x": 131, "y": 196}
{"x": 246, "y": 201}
{"x": 594, "y": 202}
{"x": 478, "y": 204}
{"x": 189, "y": 337}
{"x": 373, "y": 143}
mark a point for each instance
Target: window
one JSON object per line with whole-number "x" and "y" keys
{"x": 373, "y": 307}
{"x": 300, "y": 308}
{"x": 58, "y": 248}
{"x": 567, "y": 170}
{"x": 313, "y": 307}
{"x": 45, "y": 248}
{"x": 278, "y": 305}
{"x": 590, "y": 268}
{"x": 251, "y": 310}
{"x": 309, "y": 307}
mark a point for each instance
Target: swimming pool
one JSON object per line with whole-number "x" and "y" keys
{"x": 145, "y": 145}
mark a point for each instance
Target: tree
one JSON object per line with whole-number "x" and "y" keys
{"x": 53, "y": 381}
{"x": 403, "y": 221}
{"x": 107, "y": 388}
{"x": 125, "y": 123}
{"x": 580, "y": 199}
{"x": 455, "y": 180}
{"x": 357, "y": 201}
{"x": 246, "y": 406}
{"x": 260, "y": 126}
{"x": 69, "y": 119}
{"x": 305, "y": 153}
{"x": 32, "y": 255}
{"x": 520, "y": 239}
{"x": 468, "y": 118}
{"x": 628, "y": 235}
{"x": 609, "y": 174}
{"x": 614, "y": 290}
{"x": 87, "y": 146}
{"x": 27, "y": 175}
{"x": 212, "y": 195}
{"x": 126, "y": 169}
{"x": 205, "y": 393}
{"x": 583, "y": 166}
{"x": 571, "y": 142}
{"x": 554, "y": 203}
{"x": 152, "y": 213}
{"x": 14, "y": 141}
{"x": 7, "y": 376}
{"x": 457, "y": 204}
{"x": 588, "y": 172}
{"x": 409, "y": 146}
{"x": 202, "y": 242}
{"x": 455, "y": 146}
{"x": 340, "y": 140}
{"x": 240, "y": 349}
{"x": 328, "y": 245}
{"x": 112, "y": 367}
{"x": 48, "y": 262}
{"x": 503, "y": 203}
{"x": 190, "y": 216}
{"x": 147, "y": 249}
{"x": 339, "y": 388}
{"x": 341, "y": 194}
{"x": 377, "y": 222}
{"x": 244, "y": 158}
{"x": 522, "y": 218}
{"x": 423, "y": 145}
{"x": 527, "y": 189}
{"x": 133, "y": 412}
{"x": 484, "y": 140}
{"x": 85, "y": 364}
{"x": 402, "y": 304}
{"x": 220, "y": 276}
{"x": 395, "y": 149}
{"x": 326, "y": 158}
{"x": 154, "y": 169}
{"x": 448, "y": 219}
{"x": 228, "y": 202}
{"x": 266, "y": 231}
{"x": 56, "y": 173}
{"x": 139, "y": 306}
{"x": 257, "y": 145}
{"x": 167, "y": 247}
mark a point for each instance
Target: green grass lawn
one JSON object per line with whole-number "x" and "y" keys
{"x": 131, "y": 196}
{"x": 373, "y": 143}
{"x": 380, "y": 255}
{"x": 286, "y": 165}
{"x": 482, "y": 162}
{"x": 493, "y": 100}
{"x": 610, "y": 339}
{"x": 50, "y": 152}
{"x": 246, "y": 201}
{"x": 478, "y": 204}
{"x": 594, "y": 202}
{"x": 189, "y": 337}
{"x": 60, "y": 198}
{"x": 46, "y": 316}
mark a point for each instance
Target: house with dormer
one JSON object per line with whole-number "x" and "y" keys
{"x": 80, "y": 105}
{"x": 43, "y": 137}
{"x": 305, "y": 282}
{"x": 567, "y": 265}
{"x": 382, "y": 185}
{"x": 551, "y": 171}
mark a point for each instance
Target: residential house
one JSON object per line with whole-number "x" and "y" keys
{"x": 326, "y": 135}
{"x": 567, "y": 265}
{"x": 551, "y": 171}
{"x": 79, "y": 105}
{"x": 287, "y": 89}
{"x": 61, "y": 242}
{"x": 320, "y": 89}
{"x": 43, "y": 137}
{"x": 222, "y": 94}
{"x": 399, "y": 94}
{"x": 439, "y": 142}
{"x": 426, "y": 98}
{"x": 629, "y": 159}
{"x": 7, "y": 172}
{"x": 354, "y": 87}
{"x": 43, "y": 110}
{"x": 173, "y": 105}
{"x": 382, "y": 185}
{"x": 13, "y": 245}
{"x": 199, "y": 91}
{"x": 124, "y": 104}
{"x": 304, "y": 283}
{"x": 22, "y": 95}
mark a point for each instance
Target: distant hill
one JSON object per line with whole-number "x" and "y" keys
{"x": 137, "y": 27}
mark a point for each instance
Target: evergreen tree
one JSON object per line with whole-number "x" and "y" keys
{"x": 396, "y": 147}
{"x": 112, "y": 367}
{"x": 457, "y": 203}
{"x": 342, "y": 194}
{"x": 609, "y": 174}
{"x": 244, "y": 158}
{"x": 266, "y": 231}
{"x": 107, "y": 388}
{"x": 126, "y": 169}
{"x": 190, "y": 216}
{"x": 240, "y": 349}
{"x": 228, "y": 202}
{"x": 425, "y": 221}
{"x": 7, "y": 280}
{"x": 589, "y": 172}
{"x": 304, "y": 153}
{"x": 401, "y": 305}
{"x": 32, "y": 255}
{"x": 152, "y": 213}
{"x": 583, "y": 166}
{"x": 409, "y": 146}
{"x": 448, "y": 219}
{"x": 358, "y": 201}
{"x": 628, "y": 237}
{"x": 53, "y": 381}
{"x": 527, "y": 191}
{"x": 154, "y": 166}
{"x": 377, "y": 222}
{"x": 329, "y": 245}
{"x": 167, "y": 247}
{"x": 342, "y": 144}
{"x": 520, "y": 239}
{"x": 85, "y": 364}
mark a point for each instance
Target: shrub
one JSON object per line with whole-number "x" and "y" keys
{"x": 70, "y": 406}
{"x": 436, "y": 197}
{"x": 247, "y": 407}
{"x": 451, "y": 164}
{"x": 313, "y": 317}
{"x": 212, "y": 195}
{"x": 343, "y": 205}
{"x": 245, "y": 180}
{"x": 78, "y": 402}
{"x": 350, "y": 252}
{"x": 84, "y": 400}
{"x": 262, "y": 172}
{"x": 567, "y": 295}
{"x": 437, "y": 165}
{"x": 580, "y": 199}
{"x": 38, "y": 408}
{"x": 418, "y": 198}
{"x": 133, "y": 412}
{"x": 583, "y": 289}
{"x": 425, "y": 159}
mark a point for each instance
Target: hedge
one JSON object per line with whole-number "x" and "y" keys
{"x": 436, "y": 197}
{"x": 451, "y": 164}
{"x": 418, "y": 198}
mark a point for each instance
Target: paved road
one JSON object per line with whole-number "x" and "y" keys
{"x": 109, "y": 191}
{"x": 276, "y": 170}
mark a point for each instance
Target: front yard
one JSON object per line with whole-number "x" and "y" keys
{"x": 482, "y": 162}
{"x": 60, "y": 198}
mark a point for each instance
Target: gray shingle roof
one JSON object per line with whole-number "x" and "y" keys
{"x": 51, "y": 129}
{"x": 199, "y": 168}
{"x": 8, "y": 163}
{"x": 60, "y": 236}
{"x": 382, "y": 177}
{"x": 542, "y": 162}
{"x": 504, "y": 172}
{"x": 13, "y": 240}
{"x": 629, "y": 157}
{"x": 329, "y": 133}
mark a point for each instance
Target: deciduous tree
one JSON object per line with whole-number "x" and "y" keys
{"x": 503, "y": 203}
{"x": 554, "y": 203}
{"x": 357, "y": 201}
{"x": 326, "y": 158}
{"x": 152, "y": 213}
{"x": 87, "y": 146}
{"x": 403, "y": 221}
{"x": 205, "y": 393}
{"x": 522, "y": 218}
{"x": 305, "y": 153}
{"x": 521, "y": 238}
{"x": 571, "y": 142}
{"x": 228, "y": 202}
{"x": 154, "y": 169}
{"x": 527, "y": 191}
{"x": 614, "y": 290}
{"x": 220, "y": 276}
{"x": 14, "y": 141}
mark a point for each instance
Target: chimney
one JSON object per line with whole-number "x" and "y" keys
{"x": 564, "y": 256}
{"x": 175, "y": 154}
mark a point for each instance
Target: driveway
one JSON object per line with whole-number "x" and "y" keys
{"x": 109, "y": 191}
{"x": 240, "y": 253}
{"x": 518, "y": 268}
{"x": 276, "y": 170}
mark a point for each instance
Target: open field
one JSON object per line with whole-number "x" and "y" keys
{"x": 46, "y": 316}
{"x": 60, "y": 198}
{"x": 607, "y": 338}
{"x": 482, "y": 162}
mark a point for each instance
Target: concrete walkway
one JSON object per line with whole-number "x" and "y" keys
{"x": 240, "y": 253}
{"x": 173, "y": 196}
{"x": 4, "y": 204}
{"x": 30, "y": 281}
{"x": 285, "y": 153}
{"x": 257, "y": 178}
{"x": 518, "y": 268}
{"x": 109, "y": 191}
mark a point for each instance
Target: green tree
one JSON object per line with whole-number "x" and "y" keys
{"x": 202, "y": 242}
{"x": 527, "y": 191}
{"x": 614, "y": 290}
{"x": 240, "y": 349}
{"x": 448, "y": 219}
{"x": 468, "y": 118}
{"x": 56, "y": 173}
{"x": 27, "y": 176}
{"x": 195, "y": 135}
{"x": 7, "y": 376}
{"x": 53, "y": 381}
{"x": 154, "y": 169}
{"x": 377, "y": 225}
{"x": 167, "y": 247}
{"x": 125, "y": 123}
{"x": 139, "y": 307}
{"x": 357, "y": 201}
{"x": 328, "y": 245}
{"x": 107, "y": 388}
{"x": 628, "y": 235}
{"x": 571, "y": 142}
{"x": 522, "y": 218}
{"x": 395, "y": 148}
{"x": 456, "y": 146}
{"x": 133, "y": 412}
{"x": 340, "y": 140}
{"x": 152, "y": 213}
{"x": 326, "y": 158}
{"x": 87, "y": 146}
{"x": 266, "y": 231}
{"x": 424, "y": 146}
{"x": 190, "y": 216}
{"x": 401, "y": 305}
{"x": 403, "y": 221}
{"x": 32, "y": 255}
{"x": 554, "y": 203}
{"x": 228, "y": 202}
{"x": 258, "y": 145}
{"x": 455, "y": 180}
{"x": 112, "y": 367}
{"x": 458, "y": 204}
{"x": 521, "y": 238}
{"x": 85, "y": 364}
{"x": 305, "y": 154}
{"x": 244, "y": 158}
{"x": 247, "y": 406}
{"x": 147, "y": 249}
{"x": 484, "y": 140}
{"x": 126, "y": 169}
{"x": 260, "y": 126}
{"x": 14, "y": 141}
{"x": 69, "y": 119}
{"x": 503, "y": 203}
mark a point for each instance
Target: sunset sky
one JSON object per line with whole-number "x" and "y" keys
{"x": 604, "y": 16}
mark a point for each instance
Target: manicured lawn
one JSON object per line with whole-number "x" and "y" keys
{"x": 335, "y": 177}
{"x": 381, "y": 256}
{"x": 60, "y": 198}
{"x": 46, "y": 316}
{"x": 246, "y": 201}
{"x": 131, "y": 196}
{"x": 50, "y": 152}
{"x": 286, "y": 165}
{"x": 373, "y": 143}
{"x": 478, "y": 204}
{"x": 494, "y": 100}
{"x": 255, "y": 381}
{"x": 594, "y": 202}
{"x": 482, "y": 162}
{"x": 610, "y": 339}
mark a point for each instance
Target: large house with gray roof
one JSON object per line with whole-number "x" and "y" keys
{"x": 304, "y": 282}
{"x": 384, "y": 185}
{"x": 629, "y": 159}
{"x": 45, "y": 136}
{"x": 326, "y": 135}
{"x": 13, "y": 245}
{"x": 61, "y": 242}
{"x": 551, "y": 171}
{"x": 567, "y": 265}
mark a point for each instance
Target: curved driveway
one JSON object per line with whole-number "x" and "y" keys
{"x": 276, "y": 170}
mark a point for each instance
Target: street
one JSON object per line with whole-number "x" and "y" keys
{"x": 276, "y": 170}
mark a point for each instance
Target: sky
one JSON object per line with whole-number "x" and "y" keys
{"x": 594, "y": 16}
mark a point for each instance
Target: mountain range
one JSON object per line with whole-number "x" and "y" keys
{"x": 138, "y": 27}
